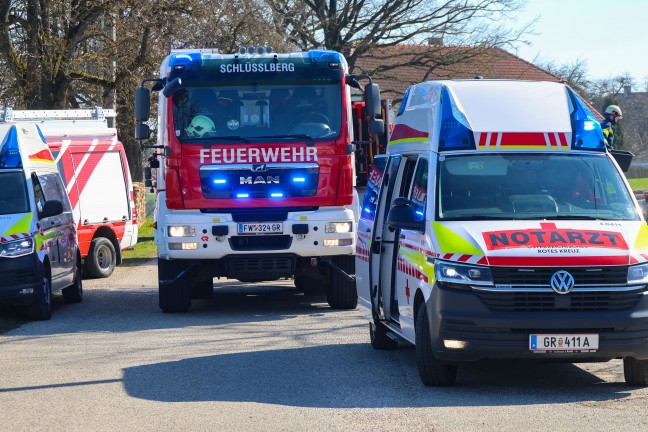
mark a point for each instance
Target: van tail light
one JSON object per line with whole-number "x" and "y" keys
{"x": 133, "y": 213}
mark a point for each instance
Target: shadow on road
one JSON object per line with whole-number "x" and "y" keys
{"x": 344, "y": 376}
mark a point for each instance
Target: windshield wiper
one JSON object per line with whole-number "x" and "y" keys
{"x": 309, "y": 139}
{"x": 476, "y": 217}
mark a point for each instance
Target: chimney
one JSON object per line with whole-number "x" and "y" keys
{"x": 435, "y": 41}
{"x": 627, "y": 90}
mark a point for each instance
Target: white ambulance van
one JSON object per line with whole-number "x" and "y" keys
{"x": 498, "y": 226}
{"x": 94, "y": 168}
{"x": 39, "y": 253}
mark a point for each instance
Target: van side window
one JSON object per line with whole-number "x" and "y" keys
{"x": 418, "y": 192}
{"x": 51, "y": 188}
{"x": 408, "y": 174}
{"x": 374, "y": 183}
{"x": 38, "y": 193}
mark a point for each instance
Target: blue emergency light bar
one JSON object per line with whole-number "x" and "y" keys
{"x": 587, "y": 133}
{"x": 9, "y": 151}
{"x": 455, "y": 133}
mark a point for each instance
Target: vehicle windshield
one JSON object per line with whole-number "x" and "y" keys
{"x": 249, "y": 113}
{"x": 532, "y": 186}
{"x": 13, "y": 193}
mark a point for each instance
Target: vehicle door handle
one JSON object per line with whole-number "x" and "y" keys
{"x": 375, "y": 247}
{"x": 402, "y": 236}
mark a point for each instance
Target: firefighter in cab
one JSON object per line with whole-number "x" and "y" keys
{"x": 612, "y": 114}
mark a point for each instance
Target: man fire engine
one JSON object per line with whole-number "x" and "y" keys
{"x": 256, "y": 173}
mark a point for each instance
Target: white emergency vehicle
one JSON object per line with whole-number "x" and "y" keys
{"x": 39, "y": 253}
{"x": 93, "y": 164}
{"x": 498, "y": 226}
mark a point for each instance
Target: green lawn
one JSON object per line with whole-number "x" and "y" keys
{"x": 638, "y": 183}
{"x": 145, "y": 249}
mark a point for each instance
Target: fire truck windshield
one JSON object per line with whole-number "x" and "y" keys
{"x": 264, "y": 111}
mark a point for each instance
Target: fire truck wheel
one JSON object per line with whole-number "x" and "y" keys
{"x": 74, "y": 293}
{"x": 311, "y": 286}
{"x": 432, "y": 371}
{"x": 174, "y": 296}
{"x": 41, "y": 309}
{"x": 379, "y": 338}
{"x": 101, "y": 259}
{"x": 202, "y": 289}
{"x": 341, "y": 292}
{"x": 635, "y": 372}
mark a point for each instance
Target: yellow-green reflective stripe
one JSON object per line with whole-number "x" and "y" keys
{"x": 408, "y": 140}
{"x": 451, "y": 242}
{"x": 22, "y": 226}
{"x": 641, "y": 243}
{"x": 419, "y": 260}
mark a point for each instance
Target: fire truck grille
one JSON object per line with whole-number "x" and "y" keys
{"x": 259, "y": 268}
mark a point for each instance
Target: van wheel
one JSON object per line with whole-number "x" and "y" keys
{"x": 432, "y": 371}
{"x": 379, "y": 338}
{"x": 74, "y": 293}
{"x": 341, "y": 292}
{"x": 635, "y": 372}
{"x": 101, "y": 259}
{"x": 175, "y": 296}
{"x": 41, "y": 309}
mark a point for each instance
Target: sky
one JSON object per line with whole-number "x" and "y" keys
{"x": 612, "y": 35}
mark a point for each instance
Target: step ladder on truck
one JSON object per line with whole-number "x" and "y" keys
{"x": 93, "y": 165}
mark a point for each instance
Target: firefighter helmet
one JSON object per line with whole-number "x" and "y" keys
{"x": 200, "y": 125}
{"x": 613, "y": 109}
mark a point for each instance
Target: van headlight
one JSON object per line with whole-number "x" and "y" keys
{"x": 638, "y": 274}
{"x": 182, "y": 231}
{"x": 17, "y": 248}
{"x": 453, "y": 274}
{"x": 338, "y": 227}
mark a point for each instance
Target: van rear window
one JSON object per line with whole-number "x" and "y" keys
{"x": 13, "y": 193}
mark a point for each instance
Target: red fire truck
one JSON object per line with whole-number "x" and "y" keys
{"x": 255, "y": 171}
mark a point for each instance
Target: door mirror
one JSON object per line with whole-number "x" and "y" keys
{"x": 401, "y": 215}
{"x": 142, "y": 104}
{"x": 51, "y": 208}
{"x": 372, "y": 100}
{"x": 142, "y": 131}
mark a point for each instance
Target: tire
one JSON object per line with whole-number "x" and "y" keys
{"x": 74, "y": 293}
{"x": 432, "y": 371}
{"x": 101, "y": 259}
{"x": 310, "y": 285}
{"x": 174, "y": 297}
{"x": 202, "y": 288}
{"x": 379, "y": 338}
{"x": 341, "y": 292}
{"x": 635, "y": 372}
{"x": 41, "y": 309}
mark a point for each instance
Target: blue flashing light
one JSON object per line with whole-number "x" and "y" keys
{"x": 276, "y": 195}
{"x": 368, "y": 210}
{"x": 586, "y": 130}
{"x": 242, "y": 195}
{"x": 325, "y": 56}
{"x": 184, "y": 59}
{"x": 455, "y": 133}
{"x": 9, "y": 151}
{"x": 401, "y": 108}
{"x": 220, "y": 181}
{"x": 299, "y": 179}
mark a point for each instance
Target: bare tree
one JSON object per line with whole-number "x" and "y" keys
{"x": 357, "y": 27}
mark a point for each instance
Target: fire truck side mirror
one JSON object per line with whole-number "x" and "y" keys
{"x": 142, "y": 104}
{"x": 372, "y": 100}
{"x": 142, "y": 131}
{"x": 376, "y": 126}
{"x": 147, "y": 176}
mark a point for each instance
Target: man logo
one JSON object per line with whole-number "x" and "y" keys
{"x": 259, "y": 180}
{"x": 562, "y": 282}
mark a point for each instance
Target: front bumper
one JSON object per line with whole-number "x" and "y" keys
{"x": 20, "y": 279}
{"x": 462, "y": 315}
{"x": 209, "y": 245}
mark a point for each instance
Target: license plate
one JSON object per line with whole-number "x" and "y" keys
{"x": 548, "y": 343}
{"x": 260, "y": 228}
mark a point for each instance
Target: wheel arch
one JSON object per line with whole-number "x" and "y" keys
{"x": 107, "y": 232}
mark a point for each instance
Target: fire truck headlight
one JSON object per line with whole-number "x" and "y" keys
{"x": 182, "y": 231}
{"x": 338, "y": 227}
{"x": 17, "y": 248}
{"x": 450, "y": 273}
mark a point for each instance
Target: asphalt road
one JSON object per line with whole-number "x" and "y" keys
{"x": 265, "y": 358}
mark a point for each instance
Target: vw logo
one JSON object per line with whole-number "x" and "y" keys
{"x": 562, "y": 282}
